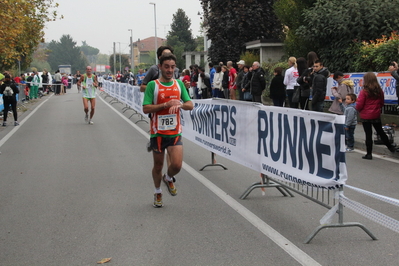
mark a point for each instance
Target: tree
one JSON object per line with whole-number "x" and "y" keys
{"x": 102, "y": 59}
{"x": 124, "y": 62}
{"x": 90, "y": 52}
{"x": 291, "y": 15}
{"x": 178, "y": 48}
{"x": 332, "y": 26}
{"x": 230, "y": 24}
{"x": 180, "y": 37}
{"x": 65, "y": 52}
{"x": 180, "y": 28}
{"x": 16, "y": 42}
{"x": 39, "y": 59}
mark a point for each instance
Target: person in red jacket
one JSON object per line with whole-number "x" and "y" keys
{"x": 369, "y": 104}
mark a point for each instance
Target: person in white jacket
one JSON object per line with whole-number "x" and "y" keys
{"x": 217, "y": 82}
{"x": 290, "y": 77}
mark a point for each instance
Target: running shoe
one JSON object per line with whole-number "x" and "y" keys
{"x": 87, "y": 118}
{"x": 171, "y": 187}
{"x": 16, "y": 123}
{"x": 4, "y": 124}
{"x": 157, "y": 200}
{"x": 149, "y": 149}
{"x": 91, "y": 122}
{"x": 349, "y": 150}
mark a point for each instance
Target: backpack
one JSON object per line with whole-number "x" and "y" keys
{"x": 8, "y": 91}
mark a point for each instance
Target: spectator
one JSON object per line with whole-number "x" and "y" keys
{"x": 225, "y": 82}
{"x": 193, "y": 82}
{"x": 118, "y": 76}
{"x": 239, "y": 79}
{"x": 232, "y": 80}
{"x": 369, "y": 104}
{"x": 319, "y": 85}
{"x": 345, "y": 86}
{"x": 100, "y": 80}
{"x": 186, "y": 78}
{"x": 132, "y": 80}
{"x": 140, "y": 76}
{"x": 349, "y": 109}
{"x": 34, "y": 86}
{"x": 257, "y": 82}
{"x": 245, "y": 80}
{"x": 29, "y": 82}
{"x": 303, "y": 81}
{"x": 58, "y": 82}
{"x": 217, "y": 83}
{"x": 204, "y": 83}
{"x": 277, "y": 88}
{"x": 9, "y": 90}
{"x": 312, "y": 57}
{"x": 64, "y": 81}
{"x": 45, "y": 80}
{"x": 17, "y": 80}
{"x": 70, "y": 80}
{"x": 290, "y": 80}
{"x": 212, "y": 72}
{"x": 393, "y": 68}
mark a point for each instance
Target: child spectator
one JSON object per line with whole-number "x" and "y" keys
{"x": 26, "y": 91}
{"x": 350, "y": 112}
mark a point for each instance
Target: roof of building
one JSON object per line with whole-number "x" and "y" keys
{"x": 148, "y": 44}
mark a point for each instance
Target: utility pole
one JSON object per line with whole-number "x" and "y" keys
{"x": 132, "y": 49}
{"x": 114, "y": 59}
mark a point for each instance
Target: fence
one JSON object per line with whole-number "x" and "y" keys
{"x": 294, "y": 150}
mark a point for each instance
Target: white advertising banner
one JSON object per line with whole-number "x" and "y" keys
{"x": 138, "y": 98}
{"x": 123, "y": 92}
{"x": 293, "y": 145}
{"x": 386, "y": 81}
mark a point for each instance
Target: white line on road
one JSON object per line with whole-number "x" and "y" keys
{"x": 15, "y": 129}
{"x": 266, "y": 229}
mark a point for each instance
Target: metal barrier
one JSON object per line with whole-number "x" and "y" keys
{"x": 324, "y": 197}
{"x": 213, "y": 163}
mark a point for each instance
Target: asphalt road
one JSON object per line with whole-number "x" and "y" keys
{"x": 73, "y": 194}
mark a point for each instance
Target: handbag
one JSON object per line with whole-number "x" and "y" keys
{"x": 247, "y": 96}
{"x": 295, "y": 96}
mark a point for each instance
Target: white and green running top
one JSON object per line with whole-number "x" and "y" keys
{"x": 90, "y": 91}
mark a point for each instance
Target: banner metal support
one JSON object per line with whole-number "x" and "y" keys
{"x": 213, "y": 163}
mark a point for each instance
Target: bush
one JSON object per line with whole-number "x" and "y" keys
{"x": 249, "y": 58}
{"x": 269, "y": 70}
{"x": 375, "y": 55}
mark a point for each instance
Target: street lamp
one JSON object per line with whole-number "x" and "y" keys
{"x": 156, "y": 39}
{"x": 132, "y": 49}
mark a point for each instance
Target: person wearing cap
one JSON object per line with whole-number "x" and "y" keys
{"x": 240, "y": 78}
{"x": 10, "y": 99}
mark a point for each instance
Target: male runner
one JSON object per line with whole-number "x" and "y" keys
{"x": 89, "y": 84}
{"x": 164, "y": 98}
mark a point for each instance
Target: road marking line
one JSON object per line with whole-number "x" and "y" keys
{"x": 12, "y": 132}
{"x": 266, "y": 229}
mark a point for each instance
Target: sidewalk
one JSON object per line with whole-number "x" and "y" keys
{"x": 360, "y": 139}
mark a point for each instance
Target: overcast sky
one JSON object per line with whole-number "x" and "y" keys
{"x": 102, "y": 22}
